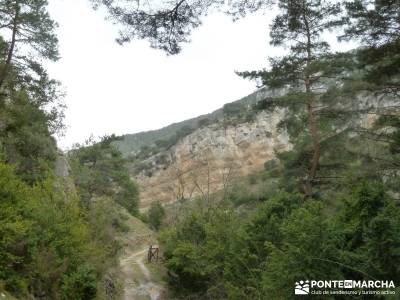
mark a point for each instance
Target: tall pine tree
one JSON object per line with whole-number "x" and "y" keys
{"x": 376, "y": 25}
{"x": 168, "y": 24}
{"x": 30, "y": 37}
{"x": 305, "y": 72}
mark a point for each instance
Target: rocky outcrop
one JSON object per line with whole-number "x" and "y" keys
{"x": 210, "y": 158}
{"x": 64, "y": 182}
{"x": 62, "y": 168}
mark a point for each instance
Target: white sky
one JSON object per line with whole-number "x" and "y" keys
{"x": 131, "y": 88}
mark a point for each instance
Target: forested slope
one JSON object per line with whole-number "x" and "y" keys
{"x": 325, "y": 205}
{"x": 59, "y": 216}
{"x": 131, "y": 144}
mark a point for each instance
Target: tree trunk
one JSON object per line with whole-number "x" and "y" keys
{"x": 10, "y": 53}
{"x": 312, "y": 124}
{"x": 314, "y": 163}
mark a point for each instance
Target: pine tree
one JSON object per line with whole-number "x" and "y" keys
{"x": 169, "y": 24}
{"x": 305, "y": 73}
{"x": 376, "y": 25}
{"x": 99, "y": 170}
{"x": 31, "y": 37}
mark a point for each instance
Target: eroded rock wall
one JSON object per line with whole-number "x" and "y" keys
{"x": 208, "y": 159}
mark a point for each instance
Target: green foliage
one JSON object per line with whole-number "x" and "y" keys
{"x": 13, "y": 226}
{"x": 105, "y": 222}
{"x": 143, "y": 144}
{"x": 248, "y": 254}
{"x": 25, "y": 139}
{"x": 376, "y": 25}
{"x": 271, "y": 164}
{"x": 79, "y": 285}
{"x": 30, "y": 37}
{"x": 232, "y": 109}
{"x": 204, "y": 122}
{"x": 180, "y": 133}
{"x": 30, "y": 102}
{"x": 99, "y": 170}
{"x": 156, "y": 214}
{"x": 49, "y": 247}
{"x": 55, "y": 245}
{"x": 212, "y": 254}
{"x": 131, "y": 145}
{"x": 155, "y": 148}
{"x": 170, "y": 24}
{"x": 368, "y": 224}
{"x": 373, "y": 22}
{"x": 314, "y": 110}
{"x": 195, "y": 251}
{"x": 34, "y": 23}
{"x": 241, "y": 194}
{"x": 308, "y": 242}
{"x": 44, "y": 238}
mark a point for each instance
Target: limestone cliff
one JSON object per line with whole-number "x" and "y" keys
{"x": 230, "y": 146}
{"x": 64, "y": 180}
{"x": 209, "y": 158}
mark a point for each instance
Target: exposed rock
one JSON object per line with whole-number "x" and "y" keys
{"x": 208, "y": 159}
{"x": 62, "y": 165}
{"x": 64, "y": 181}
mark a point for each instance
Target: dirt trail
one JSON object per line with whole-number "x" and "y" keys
{"x": 139, "y": 285}
{"x": 139, "y": 282}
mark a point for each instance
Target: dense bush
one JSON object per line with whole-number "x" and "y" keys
{"x": 25, "y": 139}
{"x": 155, "y": 215}
{"x": 204, "y": 122}
{"x": 79, "y": 285}
{"x": 232, "y": 109}
{"x": 44, "y": 238}
{"x": 99, "y": 170}
{"x": 195, "y": 251}
{"x": 210, "y": 255}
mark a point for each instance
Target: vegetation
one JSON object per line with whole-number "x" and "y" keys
{"x": 56, "y": 241}
{"x": 169, "y": 25}
{"x": 327, "y": 209}
{"x": 49, "y": 247}
{"x": 216, "y": 254}
{"x": 304, "y": 217}
{"x": 156, "y": 214}
{"x": 99, "y": 170}
{"x": 144, "y": 144}
{"x": 140, "y": 145}
{"x": 314, "y": 116}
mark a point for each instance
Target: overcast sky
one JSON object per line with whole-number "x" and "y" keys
{"x": 131, "y": 88}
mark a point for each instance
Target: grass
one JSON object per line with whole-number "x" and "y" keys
{"x": 6, "y": 296}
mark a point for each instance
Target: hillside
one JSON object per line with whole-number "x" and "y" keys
{"x": 238, "y": 141}
{"x": 140, "y": 279}
{"x": 209, "y": 159}
{"x": 292, "y": 190}
{"x": 132, "y": 143}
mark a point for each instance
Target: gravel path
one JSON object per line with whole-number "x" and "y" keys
{"x": 144, "y": 287}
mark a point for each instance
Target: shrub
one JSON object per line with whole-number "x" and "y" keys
{"x": 156, "y": 215}
{"x": 80, "y": 285}
{"x": 204, "y": 122}
{"x": 232, "y": 109}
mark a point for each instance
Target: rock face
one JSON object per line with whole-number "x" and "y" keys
{"x": 208, "y": 159}
{"x": 62, "y": 168}
{"x": 64, "y": 181}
